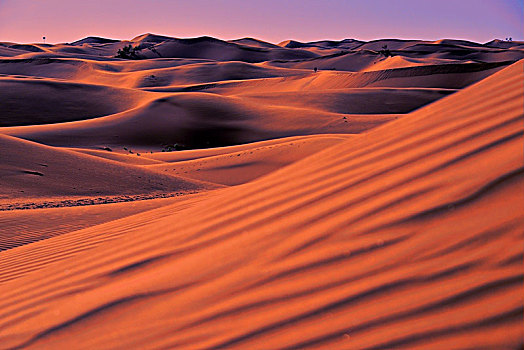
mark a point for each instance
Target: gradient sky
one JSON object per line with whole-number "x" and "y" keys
{"x": 270, "y": 20}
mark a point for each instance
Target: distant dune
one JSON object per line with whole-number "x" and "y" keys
{"x": 199, "y": 193}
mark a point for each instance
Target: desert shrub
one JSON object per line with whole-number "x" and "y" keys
{"x": 172, "y": 147}
{"x": 128, "y": 52}
{"x": 385, "y": 51}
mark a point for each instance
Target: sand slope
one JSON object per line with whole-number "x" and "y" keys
{"x": 408, "y": 236}
{"x": 21, "y": 227}
{"x": 29, "y": 171}
{"x": 243, "y": 164}
{"x": 57, "y": 101}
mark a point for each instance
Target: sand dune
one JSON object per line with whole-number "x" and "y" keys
{"x": 375, "y": 203}
{"x": 253, "y": 42}
{"x": 58, "y": 101}
{"x": 127, "y": 157}
{"x": 6, "y": 51}
{"x": 207, "y": 47}
{"x": 196, "y": 120}
{"x": 33, "y": 172}
{"x": 248, "y": 163}
{"x": 115, "y": 73}
{"x": 140, "y": 74}
{"x": 253, "y": 50}
{"x": 325, "y": 44}
{"x": 404, "y": 62}
{"x": 368, "y": 244}
{"x": 212, "y": 72}
{"x": 354, "y": 101}
{"x": 500, "y": 44}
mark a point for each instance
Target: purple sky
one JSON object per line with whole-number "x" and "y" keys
{"x": 270, "y": 20}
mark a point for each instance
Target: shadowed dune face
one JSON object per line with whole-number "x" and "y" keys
{"x": 200, "y": 120}
{"x": 212, "y": 194}
{"x": 27, "y": 101}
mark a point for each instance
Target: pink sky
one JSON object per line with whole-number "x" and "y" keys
{"x": 271, "y": 20}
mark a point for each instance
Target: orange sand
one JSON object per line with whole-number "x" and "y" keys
{"x": 375, "y": 206}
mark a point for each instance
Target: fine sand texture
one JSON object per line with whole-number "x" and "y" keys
{"x": 211, "y": 194}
